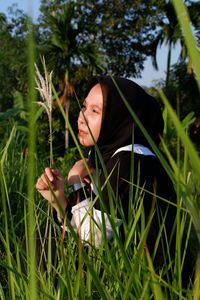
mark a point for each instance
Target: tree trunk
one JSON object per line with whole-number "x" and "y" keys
{"x": 67, "y": 106}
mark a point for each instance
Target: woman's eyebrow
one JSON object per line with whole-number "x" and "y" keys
{"x": 92, "y": 104}
{"x": 97, "y": 105}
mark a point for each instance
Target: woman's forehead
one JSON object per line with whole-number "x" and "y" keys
{"x": 95, "y": 96}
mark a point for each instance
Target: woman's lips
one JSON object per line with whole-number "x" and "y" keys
{"x": 82, "y": 132}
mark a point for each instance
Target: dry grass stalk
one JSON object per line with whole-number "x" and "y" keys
{"x": 45, "y": 90}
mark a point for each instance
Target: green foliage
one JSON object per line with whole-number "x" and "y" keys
{"x": 65, "y": 162}
{"x": 183, "y": 89}
{"x": 190, "y": 41}
{"x": 13, "y": 62}
{"x": 98, "y": 34}
{"x": 183, "y": 94}
{"x": 116, "y": 270}
{"x": 170, "y": 31}
{"x": 170, "y": 134}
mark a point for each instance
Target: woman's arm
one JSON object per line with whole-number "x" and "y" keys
{"x": 79, "y": 173}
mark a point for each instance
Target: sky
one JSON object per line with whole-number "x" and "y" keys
{"x": 148, "y": 75}
{"x": 28, "y": 6}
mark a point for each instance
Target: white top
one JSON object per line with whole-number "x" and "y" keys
{"x": 136, "y": 148}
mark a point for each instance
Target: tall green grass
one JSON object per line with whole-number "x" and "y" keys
{"x": 191, "y": 42}
{"x": 115, "y": 271}
{"x": 31, "y": 169}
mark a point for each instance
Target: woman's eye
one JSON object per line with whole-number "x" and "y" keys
{"x": 96, "y": 110}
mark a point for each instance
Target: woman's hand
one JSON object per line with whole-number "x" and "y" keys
{"x": 52, "y": 180}
{"x": 78, "y": 173}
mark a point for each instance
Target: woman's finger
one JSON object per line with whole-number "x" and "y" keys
{"x": 53, "y": 174}
{"x": 50, "y": 174}
{"x": 57, "y": 174}
{"x": 41, "y": 183}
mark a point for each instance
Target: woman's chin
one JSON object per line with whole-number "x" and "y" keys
{"x": 85, "y": 141}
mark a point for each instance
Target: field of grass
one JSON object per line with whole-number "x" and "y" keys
{"x": 115, "y": 271}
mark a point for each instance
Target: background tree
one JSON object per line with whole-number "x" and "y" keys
{"x": 182, "y": 90}
{"x": 183, "y": 94}
{"x": 170, "y": 32}
{"x": 12, "y": 58}
{"x": 122, "y": 34}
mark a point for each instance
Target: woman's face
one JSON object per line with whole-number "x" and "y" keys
{"x": 91, "y": 116}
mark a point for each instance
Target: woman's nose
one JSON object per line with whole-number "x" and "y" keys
{"x": 82, "y": 117}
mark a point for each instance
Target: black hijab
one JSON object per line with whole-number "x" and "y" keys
{"x": 118, "y": 127}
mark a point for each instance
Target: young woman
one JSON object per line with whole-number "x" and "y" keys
{"x": 130, "y": 168}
